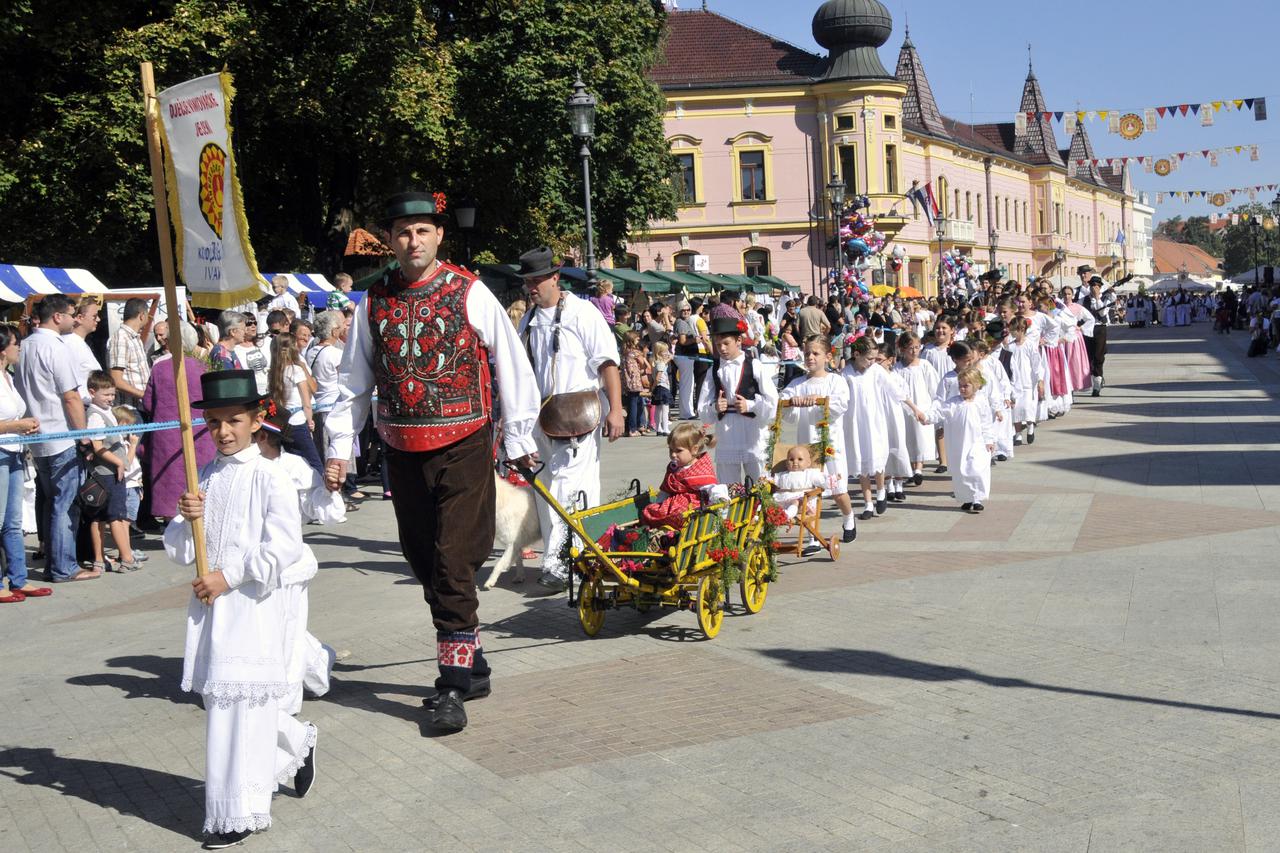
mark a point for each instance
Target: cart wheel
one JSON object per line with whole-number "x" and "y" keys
{"x": 833, "y": 548}
{"x": 710, "y": 606}
{"x": 590, "y": 614}
{"x": 755, "y": 579}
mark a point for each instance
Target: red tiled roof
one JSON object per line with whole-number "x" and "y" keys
{"x": 361, "y": 242}
{"x": 704, "y": 48}
{"x": 1170, "y": 257}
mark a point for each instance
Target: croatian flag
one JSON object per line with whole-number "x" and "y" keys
{"x": 924, "y": 197}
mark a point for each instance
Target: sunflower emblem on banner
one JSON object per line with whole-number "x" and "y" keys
{"x": 213, "y": 166}
{"x": 1131, "y": 126}
{"x": 1218, "y": 199}
{"x": 1162, "y": 167}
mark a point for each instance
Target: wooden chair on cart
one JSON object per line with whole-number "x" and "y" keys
{"x": 809, "y": 513}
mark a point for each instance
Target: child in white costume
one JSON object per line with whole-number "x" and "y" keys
{"x": 802, "y": 392}
{"x": 235, "y": 655}
{"x": 970, "y": 439}
{"x": 1027, "y": 376}
{"x": 920, "y": 379}
{"x": 897, "y": 467}
{"x": 309, "y": 662}
{"x": 740, "y": 399}
{"x": 866, "y": 433}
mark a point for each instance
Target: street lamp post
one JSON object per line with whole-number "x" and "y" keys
{"x": 1115, "y": 259}
{"x": 940, "y": 229}
{"x": 993, "y": 239}
{"x": 465, "y": 212}
{"x": 1255, "y": 225}
{"x": 835, "y": 195}
{"x": 582, "y": 119}
{"x": 1059, "y": 258}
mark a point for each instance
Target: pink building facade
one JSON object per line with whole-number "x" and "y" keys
{"x": 761, "y": 128}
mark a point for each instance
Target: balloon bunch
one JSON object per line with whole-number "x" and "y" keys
{"x": 957, "y": 270}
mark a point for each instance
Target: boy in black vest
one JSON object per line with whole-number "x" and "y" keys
{"x": 740, "y": 400}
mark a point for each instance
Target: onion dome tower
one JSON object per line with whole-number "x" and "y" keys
{"x": 851, "y": 30}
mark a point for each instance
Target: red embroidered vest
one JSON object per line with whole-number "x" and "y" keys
{"x": 432, "y": 370}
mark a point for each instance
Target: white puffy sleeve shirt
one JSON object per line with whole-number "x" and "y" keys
{"x": 586, "y": 345}
{"x": 520, "y": 400}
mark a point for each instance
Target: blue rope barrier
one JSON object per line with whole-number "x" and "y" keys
{"x": 77, "y": 434}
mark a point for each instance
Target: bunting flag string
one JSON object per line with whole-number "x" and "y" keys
{"x": 1132, "y": 124}
{"x": 1218, "y": 198}
{"x": 1163, "y": 165}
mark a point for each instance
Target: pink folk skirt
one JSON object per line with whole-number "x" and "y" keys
{"x": 1078, "y": 363}
{"x": 1058, "y": 385}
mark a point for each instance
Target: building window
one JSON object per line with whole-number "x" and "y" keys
{"x": 688, "y": 178}
{"x": 751, "y": 175}
{"x": 1008, "y": 223}
{"x": 847, "y": 155}
{"x": 627, "y": 262}
{"x": 1057, "y": 218}
{"x": 1024, "y": 217}
{"x": 844, "y": 122}
{"x": 968, "y": 207}
{"x": 683, "y": 261}
{"x": 890, "y": 122}
{"x": 686, "y": 183}
{"x": 755, "y": 261}
{"x": 979, "y": 210}
{"x": 890, "y": 166}
{"x": 955, "y": 211}
{"x": 997, "y": 212}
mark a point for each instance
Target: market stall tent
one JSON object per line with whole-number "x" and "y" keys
{"x": 17, "y": 282}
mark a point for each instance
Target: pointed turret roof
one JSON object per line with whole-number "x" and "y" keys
{"x": 918, "y": 107}
{"x": 1082, "y": 149}
{"x": 1037, "y": 143}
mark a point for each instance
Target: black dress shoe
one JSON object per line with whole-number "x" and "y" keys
{"x": 978, "y": 507}
{"x": 223, "y": 840}
{"x": 1000, "y": 457}
{"x": 448, "y": 715}
{"x": 881, "y": 506}
{"x": 902, "y": 497}
{"x": 479, "y": 689}
{"x": 917, "y": 478}
{"x": 305, "y": 779}
{"x": 850, "y": 535}
{"x": 866, "y": 514}
{"x": 1096, "y": 393}
{"x": 1031, "y": 438}
{"x": 967, "y": 507}
{"x": 941, "y": 469}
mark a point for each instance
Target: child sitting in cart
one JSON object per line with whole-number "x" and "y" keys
{"x": 801, "y": 476}
{"x": 690, "y": 472}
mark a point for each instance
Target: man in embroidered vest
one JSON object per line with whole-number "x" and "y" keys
{"x": 573, "y": 350}
{"x": 422, "y": 338}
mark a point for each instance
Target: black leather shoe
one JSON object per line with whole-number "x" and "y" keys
{"x": 967, "y": 507}
{"x": 305, "y": 779}
{"x": 1031, "y": 438}
{"x": 479, "y": 689}
{"x": 448, "y": 715}
{"x": 223, "y": 840}
{"x": 917, "y": 478}
{"x": 978, "y": 507}
{"x": 850, "y": 535}
{"x": 941, "y": 469}
{"x": 881, "y": 506}
{"x": 1096, "y": 393}
{"x": 866, "y": 514}
{"x": 1000, "y": 457}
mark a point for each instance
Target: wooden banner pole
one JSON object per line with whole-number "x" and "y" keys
{"x": 172, "y": 308}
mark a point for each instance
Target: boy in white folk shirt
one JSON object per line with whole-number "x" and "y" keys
{"x": 235, "y": 655}
{"x": 740, "y": 399}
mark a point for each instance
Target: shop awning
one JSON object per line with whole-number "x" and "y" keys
{"x": 632, "y": 280}
{"x": 774, "y": 281}
{"x": 17, "y": 282}
{"x": 312, "y": 286}
{"x": 691, "y": 282}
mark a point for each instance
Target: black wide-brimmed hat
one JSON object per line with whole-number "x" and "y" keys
{"x": 727, "y": 326}
{"x": 1097, "y": 279}
{"x": 1084, "y": 268}
{"x": 228, "y": 388}
{"x": 403, "y": 205}
{"x": 538, "y": 262}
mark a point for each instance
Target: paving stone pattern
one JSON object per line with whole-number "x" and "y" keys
{"x": 1093, "y": 664}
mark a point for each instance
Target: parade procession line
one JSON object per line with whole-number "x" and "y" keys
{"x": 1091, "y": 664}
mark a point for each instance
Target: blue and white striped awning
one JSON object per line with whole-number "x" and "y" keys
{"x": 17, "y": 282}
{"x": 302, "y": 283}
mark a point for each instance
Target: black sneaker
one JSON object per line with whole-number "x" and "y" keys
{"x": 1096, "y": 393}
{"x": 479, "y": 689}
{"x": 881, "y": 506}
{"x": 305, "y": 779}
{"x": 1031, "y": 438}
{"x": 1000, "y": 457}
{"x": 448, "y": 715}
{"x": 917, "y": 478}
{"x": 223, "y": 840}
{"x": 810, "y": 549}
{"x": 866, "y": 514}
{"x": 902, "y": 497}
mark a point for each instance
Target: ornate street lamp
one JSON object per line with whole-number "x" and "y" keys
{"x": 993, "y": 239}
{"x": 1255, "y": 225}
{"x": 465, "y": 212}
{"x": 835, "y": 195}
{"x": 582, "y": 120}
{"x": 940, "y": 229}
{"x": 1059, "y": 257}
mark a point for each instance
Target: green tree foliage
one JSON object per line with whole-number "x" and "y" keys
{"x": 1239, "y": 241}
{"x": 339, "y": 102}
{"x": 1194, "y": 230}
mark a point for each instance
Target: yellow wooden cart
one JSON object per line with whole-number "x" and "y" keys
{"x": 643, "y": 569}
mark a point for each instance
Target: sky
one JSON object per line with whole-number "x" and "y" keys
{"x": 1091, "y": 55}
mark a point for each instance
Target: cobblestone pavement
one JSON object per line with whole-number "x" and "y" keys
{"x": 1091, "y": 665}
